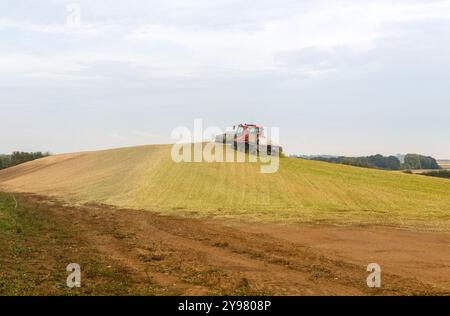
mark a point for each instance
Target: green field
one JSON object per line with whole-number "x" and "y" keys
{"x": 301, "y": 191}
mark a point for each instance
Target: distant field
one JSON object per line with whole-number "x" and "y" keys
{"x": 444, "y": 164}
{"x": 302, "y": 191}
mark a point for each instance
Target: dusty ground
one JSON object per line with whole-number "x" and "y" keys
{"x": 162, "y": 255}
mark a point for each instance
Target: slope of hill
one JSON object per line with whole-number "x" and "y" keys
{"x": 305, "y": 191}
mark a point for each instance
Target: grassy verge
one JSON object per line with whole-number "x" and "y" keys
{"x": 35, "y": 249}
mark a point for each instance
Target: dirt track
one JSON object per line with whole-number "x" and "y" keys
{"x": 195, "y": 257}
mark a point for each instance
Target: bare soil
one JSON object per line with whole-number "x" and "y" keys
{"x": 167, "y": 255}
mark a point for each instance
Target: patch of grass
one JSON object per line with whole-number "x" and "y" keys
{"x": 245, "y": 288}
{"x": 221, "y": 244}
{"x": 35, "y": 249}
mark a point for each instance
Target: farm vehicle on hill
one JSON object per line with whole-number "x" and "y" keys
{"x": 249, "y": 138}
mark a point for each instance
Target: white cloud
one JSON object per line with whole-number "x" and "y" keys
{"x": 180, "y": 50}
{"x": 116, "y": 136}
{"x": 148, "y": 135}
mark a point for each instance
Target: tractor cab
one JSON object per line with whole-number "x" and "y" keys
{"x": 248, "y": 133}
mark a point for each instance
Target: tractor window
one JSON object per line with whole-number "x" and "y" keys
{"x": 240, "y": 130}
{"x": 252, "y": 130}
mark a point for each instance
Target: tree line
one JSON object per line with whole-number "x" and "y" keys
{"x": 18, "y": 157}
{"x": 411, "y": 161}
{"x": 438, "y": 173}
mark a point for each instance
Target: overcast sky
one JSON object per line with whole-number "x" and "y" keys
{"x": 337, "y": 77}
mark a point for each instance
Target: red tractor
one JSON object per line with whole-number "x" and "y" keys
{"x": 248, "y": 137}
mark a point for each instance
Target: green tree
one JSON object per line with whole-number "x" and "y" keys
{"x": 415, "y": 161}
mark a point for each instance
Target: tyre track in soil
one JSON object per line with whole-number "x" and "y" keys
{"x": 187, "y": 256}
